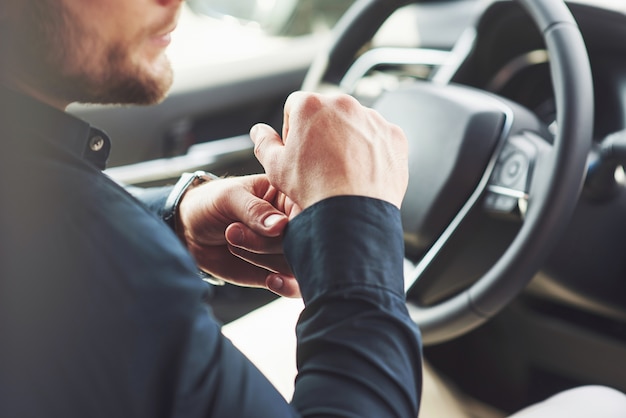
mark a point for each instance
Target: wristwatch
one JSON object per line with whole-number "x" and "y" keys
{"x": 186, "y": 180}
{"x": 170, "y": 209}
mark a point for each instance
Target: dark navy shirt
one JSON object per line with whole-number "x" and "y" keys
{"x": 102, "y": 313}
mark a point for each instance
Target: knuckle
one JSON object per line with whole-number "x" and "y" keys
{"x": 259, "y": 146}
{"x": 398, "y": 133}
{"x": 256, "y": 207}
{"x": 345, "y": 102}
{"x": 257, "y": 151}
{"x": 311, "y": 103}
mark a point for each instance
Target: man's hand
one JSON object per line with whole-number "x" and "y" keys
{"x": 233, "y": 227}
{"x": 331, "y": 146}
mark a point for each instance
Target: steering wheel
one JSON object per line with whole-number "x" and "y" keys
{"x": 472, "y": 152}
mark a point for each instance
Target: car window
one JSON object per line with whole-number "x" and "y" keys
{"x": 277, "y": 17}
{"x": 234, "y": 63}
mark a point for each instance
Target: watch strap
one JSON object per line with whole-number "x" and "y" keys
{"x": 185, "y": 181}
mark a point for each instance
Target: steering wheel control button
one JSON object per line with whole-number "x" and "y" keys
{"x": 504, "y": 202}
{"x": 513, "y": 170}
{"x": 514, "y": 166}
{"x": 500, "y": 203}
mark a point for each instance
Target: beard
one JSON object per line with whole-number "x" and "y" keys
{"x": 57, "y": 54}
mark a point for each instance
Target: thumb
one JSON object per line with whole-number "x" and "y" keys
{"x": 267, "y": 142}
{"x": 256, "y": 213}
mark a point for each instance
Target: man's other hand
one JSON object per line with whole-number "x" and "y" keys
{"x": 233, "y": 227}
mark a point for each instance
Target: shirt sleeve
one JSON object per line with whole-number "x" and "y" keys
{"x": 153, "y": 198}
{"x": 359, "y": 353}
{"x": 113, "y": 323}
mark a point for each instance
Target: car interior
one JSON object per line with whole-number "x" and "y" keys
{"x": 515, "y": 111}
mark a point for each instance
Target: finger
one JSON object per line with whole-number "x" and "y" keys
{"x": 267, "y": 143}
{"x": 283, "y": 285}
{"x": 222, "y": 264}
{"x": 291, "y": 208}
{"x": 255, "y": 213}
{"x": 238, "y": 235}
{"x": 273, "y": 263}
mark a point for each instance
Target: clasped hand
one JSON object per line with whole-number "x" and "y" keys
{"x": 330, "y": 146}
{"x": 233, "y": 227}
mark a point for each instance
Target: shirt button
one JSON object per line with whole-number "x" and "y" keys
{"x": 96, "y": 143}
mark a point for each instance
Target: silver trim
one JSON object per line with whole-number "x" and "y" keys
{"x": 505, "y": 191}
{"x": 390, "y": 56}
{"x": 199, "y": 157}
{"x": 459, "y": 53}
{"x": 411, "y": 278}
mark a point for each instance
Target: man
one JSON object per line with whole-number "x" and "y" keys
{"x": 101, "y": 307}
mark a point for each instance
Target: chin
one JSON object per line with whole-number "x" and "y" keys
{"x": 146, "y": 87}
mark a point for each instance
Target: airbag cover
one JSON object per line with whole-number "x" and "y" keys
{"x": 452, "y": 133}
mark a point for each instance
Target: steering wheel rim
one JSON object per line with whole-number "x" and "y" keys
{"x": 554, "y": 195}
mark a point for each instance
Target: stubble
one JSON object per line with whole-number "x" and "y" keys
{"x": 57, "y": 54}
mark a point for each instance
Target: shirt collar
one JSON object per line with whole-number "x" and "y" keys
{"x": 64, "y": 130}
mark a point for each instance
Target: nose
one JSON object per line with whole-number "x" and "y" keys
{"x": 167, "y": 3}
{"x": 174, "y": 5}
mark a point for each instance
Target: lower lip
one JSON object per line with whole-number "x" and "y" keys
{"x": 163, "y": 40}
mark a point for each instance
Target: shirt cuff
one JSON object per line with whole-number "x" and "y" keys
{"x": 346, "y": 241}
